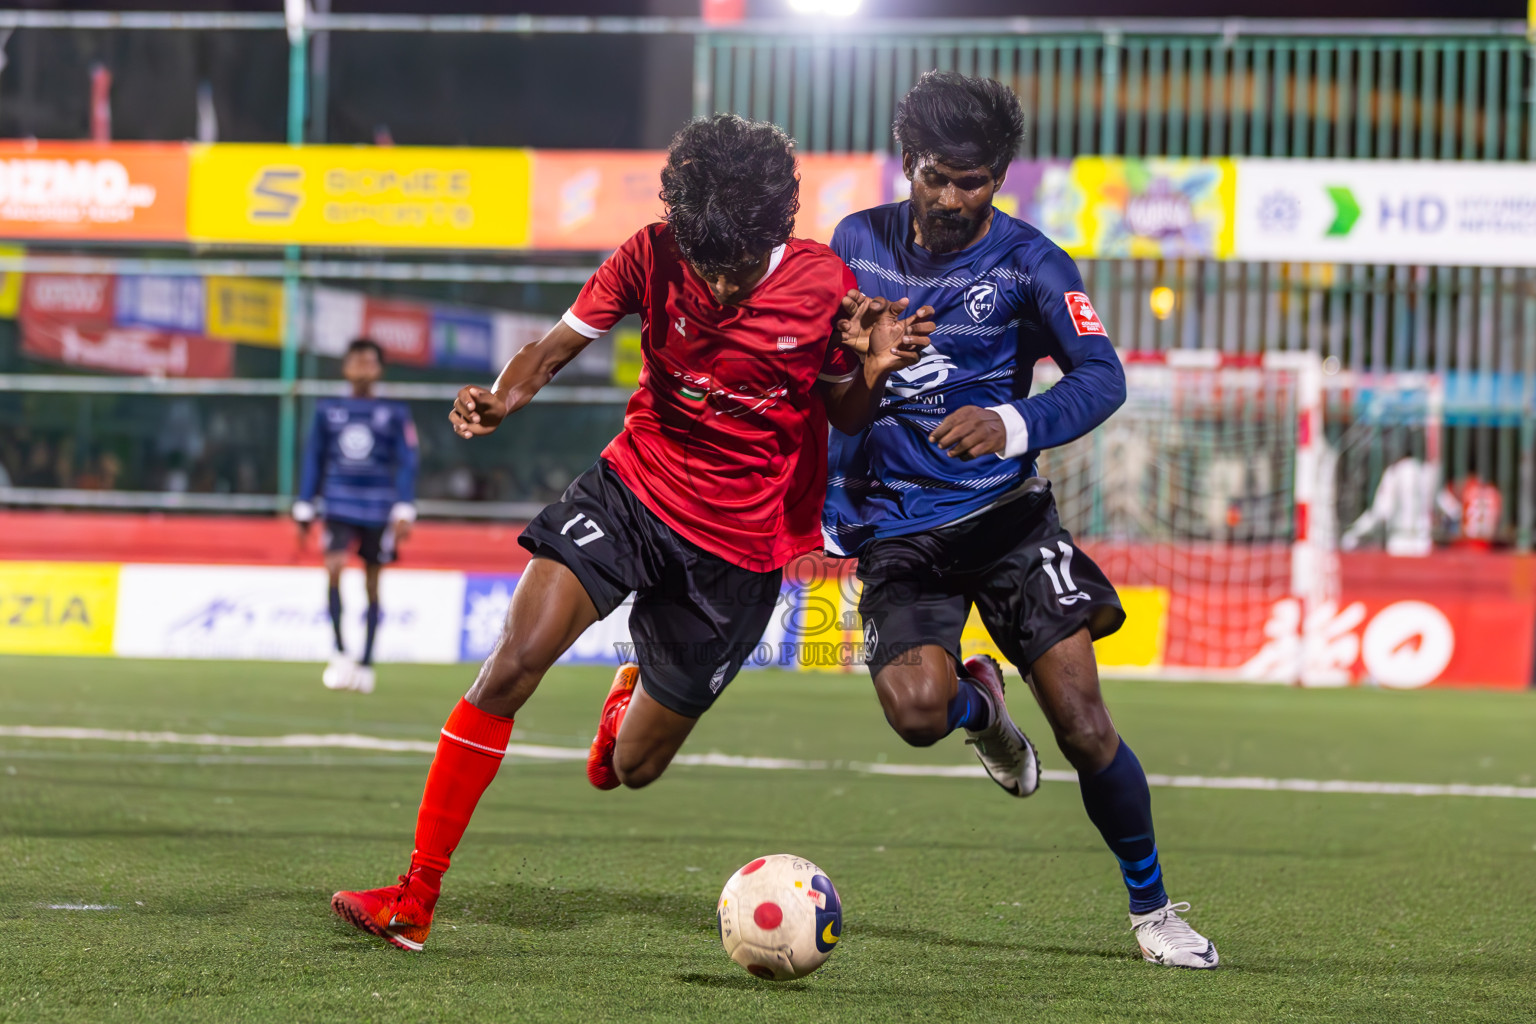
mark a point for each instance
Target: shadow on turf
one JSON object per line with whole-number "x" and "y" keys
{"x": 544, "y": 908}
{"x": 535, "y": 908}
{"x": 743, "y": 983}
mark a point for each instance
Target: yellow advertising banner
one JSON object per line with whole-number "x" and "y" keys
{"x": 10, "y": 284}
{"x": 397, "y": 196}
{"x": 1147, "y": 209}
{"x": 245, "y": 309}
{"x": 1141, "y": 642}
{"x": 57, "y": 607}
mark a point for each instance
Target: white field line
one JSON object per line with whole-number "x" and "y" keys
{"x": 353, "y": 741}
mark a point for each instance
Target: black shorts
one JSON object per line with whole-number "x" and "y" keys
{"x": 696, "y": 617}
{"x": 1015, "y": 563}
{"x": 375, "y": 544}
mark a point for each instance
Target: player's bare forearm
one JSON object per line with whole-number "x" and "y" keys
{"x": 890, "y": 344}
{"x": 853, "y": 404}
{"x": 478, "y": 411}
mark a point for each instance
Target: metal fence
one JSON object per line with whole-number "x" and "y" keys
{"x": 1384, "y": 90}
{"x": 1393, "y": 90}
{"x": 1379, "y": 90}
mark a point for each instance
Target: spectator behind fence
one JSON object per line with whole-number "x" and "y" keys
{"x": 1482, "y": 506}
{"x": 1406, "y": 499}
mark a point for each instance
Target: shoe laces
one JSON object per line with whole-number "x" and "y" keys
{"x": 1173, "y": 929}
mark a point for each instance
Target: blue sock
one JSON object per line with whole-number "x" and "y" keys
{"x": 373, "y": 627}
{"x": 335, "y": 605}
{"x": 1120, "y": 805}
{"x": 970, "y": 708}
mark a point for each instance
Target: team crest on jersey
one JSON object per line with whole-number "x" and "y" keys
{"x": 355, "y": 441}
{"x": 787, "y": 341}
{"x": 981, "y": 300}
{"x": 1084, "y": 319}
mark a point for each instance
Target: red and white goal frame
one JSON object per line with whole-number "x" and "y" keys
{"x": 1206, "y": 501}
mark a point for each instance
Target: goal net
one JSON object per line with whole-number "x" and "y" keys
{"x": 1207, "y": 499}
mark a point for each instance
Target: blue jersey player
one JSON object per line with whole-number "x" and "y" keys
{"x": 361, "y": 461}
{"x": 938, "y": 497}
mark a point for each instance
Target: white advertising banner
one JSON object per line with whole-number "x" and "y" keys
{"x": 1383, "y": 211}
{"x": 279, "y": 613}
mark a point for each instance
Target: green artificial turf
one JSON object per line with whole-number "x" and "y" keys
{"x": 568, "y": 904}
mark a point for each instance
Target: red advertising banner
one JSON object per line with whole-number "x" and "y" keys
{"x": 90, "y": 190}
{"x": 143, "y": 351}
{"x": 594, "y": 199}
{"x": 832, "y": 186}
{"x": 1450, "y": 619}
{"x": 403, "y": 329}
{"x": 77, "y": 298}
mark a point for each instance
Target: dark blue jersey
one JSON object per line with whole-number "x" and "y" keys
{"x": 1001, "y": 305}
{"x": 361, "y": 458}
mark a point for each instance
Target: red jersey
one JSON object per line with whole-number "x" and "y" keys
{"x": 726, "y": 439}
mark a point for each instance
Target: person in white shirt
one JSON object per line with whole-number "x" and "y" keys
{"x": 1406, "y": 499}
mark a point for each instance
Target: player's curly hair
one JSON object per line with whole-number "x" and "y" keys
{"x": 730, "y": 190}
{"x": 966, "y": 122}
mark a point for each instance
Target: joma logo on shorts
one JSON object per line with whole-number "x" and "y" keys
{"x": 1061, "y": 578}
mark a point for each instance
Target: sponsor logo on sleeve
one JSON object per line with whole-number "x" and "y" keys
{"x": 1084, "y": 319}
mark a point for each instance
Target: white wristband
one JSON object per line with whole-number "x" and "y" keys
{"x": 403, "y": 511}
{"x": 303, "y": 512}
{"x": 1017, "y": 430}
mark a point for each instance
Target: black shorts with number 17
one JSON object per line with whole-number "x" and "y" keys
{"x": 1030, "y": 584}
{"x": 696, "y": 617}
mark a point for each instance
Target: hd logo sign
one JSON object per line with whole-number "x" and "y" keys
{"x": 411, "y": 197}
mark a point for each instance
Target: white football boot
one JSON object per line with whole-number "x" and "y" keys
{"x": 1003, "y": 749}
{"x": 1165, "y": 938}
{"x": 362, "y": 678}
{"x": 338, "y": 672}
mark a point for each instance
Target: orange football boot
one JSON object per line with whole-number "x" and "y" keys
{"x": 600, "y": 761}
{"x": 399, "y": 914}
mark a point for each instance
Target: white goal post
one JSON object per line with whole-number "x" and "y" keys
{"x": 1208, "y": 500}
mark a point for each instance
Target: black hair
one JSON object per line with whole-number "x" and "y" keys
{"x": 966, "y": 122}
{"x": 731, "y": 191}
{"x": 366, "y": 345}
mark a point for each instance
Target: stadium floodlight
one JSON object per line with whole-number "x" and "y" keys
{"x": 834, "y": 8}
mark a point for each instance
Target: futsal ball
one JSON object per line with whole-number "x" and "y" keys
{"x": 780, "y": 917}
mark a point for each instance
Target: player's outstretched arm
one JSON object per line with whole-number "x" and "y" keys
{"x": 478, "y": 411}
{"x": 888, "y": 342}
{"x": 313, "y": 470}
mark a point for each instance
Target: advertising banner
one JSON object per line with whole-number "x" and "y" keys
{"x": 172, "y": 303}
{"x": 1147, "y": 209}
{"x": 279, "y": 613}
{"x": 594, "y": 199}
{"x": 10, "y": 284}
{"x": 406, "y": 196}
{"x": 462, "y": 339}
{"x": 78, "y": 298}
{"x": 83, "y": 190}
{"x": 1386, "y": 211}
{"x": 511, "y": 331}
{"x": 140, "y": 351}
{"x": 402, "y": 329}
{"x": 606, "y": 642}
{"x": 832, "y": 186}
{"x": 248, "y": 310}
{"x": 333, "y": 318}
{"x": 57, "y": 607}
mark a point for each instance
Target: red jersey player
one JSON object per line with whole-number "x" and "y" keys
{"x": 715, "y": 483}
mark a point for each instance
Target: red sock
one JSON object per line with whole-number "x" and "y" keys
{"x": 468, "y": 753}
